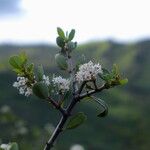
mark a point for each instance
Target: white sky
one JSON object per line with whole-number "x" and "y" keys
{"x": 123, "y": 20}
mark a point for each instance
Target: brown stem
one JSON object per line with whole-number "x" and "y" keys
{"x": 56, "y": 105}
{"x": 60, "y": 125}
{"x": 95, "y": 85}
{"x": 92, "y": 92}
{"x": 55, "y": 134}
{"x": 81, "y": 87}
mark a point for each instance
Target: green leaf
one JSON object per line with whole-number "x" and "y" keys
{"x": 105, "y": 71}
{"x": 40, "y": 90}
{"x": 61, "y": 33}
{"x": 115, "y": 70}
{"x": 61, "y": 61}
{"x": 14, "y": 146}
{"x": 76, "y": 120}
{"x": 103, "y": 105}
{"x": 30, "y": 68}
{"x": 40, "y": 72}
{"x": 23, "y": 57}
{"x": 103, "y": 113}
{"x": 105, "y": 77}
{"x": 72, "y": 45}
{"x": 87, "y": 98}
{"x": 18, "y": 71}
{"x": 71, "y": 35}
{"x": 60, "y": 42}
{"x": 16, "y": 62}
{"x": 123, "y": 81}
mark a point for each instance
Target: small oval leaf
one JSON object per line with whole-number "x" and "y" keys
{"x": 103, "y": 113}
{"x": 40, "y": 90}
{"x": 115, "y": 70}
{"x": 123, "y": 81}
{"x": 30, "y": 68}
{"x": 61, "y": 33}
{"x": 40, "y": 73}
{"x": 71, "y": 35}
{"x": 61, "y": 61}
{"x": 72, "y": 45}
{"x": 23, "y": 57}
{"x": 60, "y": 42}
{"x": 76, "y": 120}
{"x": 15, "y": 62}
{"x": 104, "y": 106}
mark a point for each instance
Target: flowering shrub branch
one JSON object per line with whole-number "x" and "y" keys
{"x": 88, "y": 79}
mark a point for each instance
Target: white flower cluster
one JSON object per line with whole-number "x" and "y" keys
{"x": 22, "y": 86}
{"x": 88, "y": 71}
{"x": 61, "y": 83}
{"x": 46, "y": 80}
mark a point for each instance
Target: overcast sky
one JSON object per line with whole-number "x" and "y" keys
{"x": 36, "y": 20}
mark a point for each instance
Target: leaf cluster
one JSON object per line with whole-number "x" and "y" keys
{"x": 113, "y": 77}
{"x": 64, "y": 41}
{"x": 21, "y": 67}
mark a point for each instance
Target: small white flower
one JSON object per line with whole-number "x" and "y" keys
{"x": 5, "y": 146}
{"x": 5, "y": 109}
{"x": 15, "y": 84}
{"x": 22, "y": 90}
{"x": 28, "y": 91}
{"x": 88, "y": 71}
{"x": 77, "y": 147}
{"x": 61, "y": 83}
{"x": 46, "y": 80}
{"x": 49, "y": 128}
{"x": 21, "y": 85}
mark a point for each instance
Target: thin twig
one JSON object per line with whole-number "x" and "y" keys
{"x": 55, "y": 134}
{"x": 56, "y": 105}
{"x": 60, "y": 125}
{"x": 95, "y": 85}
{"x": 92, "y": 92}
{"x": 81, "y": 87}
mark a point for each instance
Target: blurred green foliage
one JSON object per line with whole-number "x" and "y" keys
{"x": 127, "y": 126}
{"x": 13, "y": 128}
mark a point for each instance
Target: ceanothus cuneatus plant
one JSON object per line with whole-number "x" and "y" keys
{"x": 83, "y": 81}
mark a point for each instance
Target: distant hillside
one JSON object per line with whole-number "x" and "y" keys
{"x": 132, "y": 58}
{"x": 128, "y": 122}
